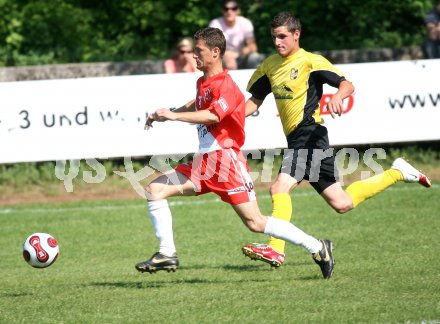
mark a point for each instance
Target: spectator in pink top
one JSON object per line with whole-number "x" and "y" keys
{"x": 182, "y": 59}
{"x": 241, "y": 48}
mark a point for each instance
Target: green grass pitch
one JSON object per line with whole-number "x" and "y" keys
{"x": 386, "y": 250}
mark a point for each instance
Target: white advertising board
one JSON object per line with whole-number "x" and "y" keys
{"x": 104, "y": 117}
{"x": 393, "y": 102}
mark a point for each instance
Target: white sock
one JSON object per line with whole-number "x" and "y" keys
{"x": 287, "y": 231}
{"x": 162, "y": 220}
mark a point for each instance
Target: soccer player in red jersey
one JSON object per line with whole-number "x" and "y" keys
{"x": 219, "y": 167}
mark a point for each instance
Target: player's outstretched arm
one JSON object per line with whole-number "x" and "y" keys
{"x": 196, "y": 117}
{"x": 335, "y": 105}
{"x": 190, "y": 106}
{"x": 161, "y": 114}
{"x": 205, "y": 116}
{"x": 252, "y": 105}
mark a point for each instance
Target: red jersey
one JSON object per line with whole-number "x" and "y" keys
{"x": 221, "y": 167}
{"x": 221, "y": 95}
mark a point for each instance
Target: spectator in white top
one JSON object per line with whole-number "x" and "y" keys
{"x": 241, "y": 48}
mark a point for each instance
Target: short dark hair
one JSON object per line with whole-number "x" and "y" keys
{"x": 227, "y": 1}
{"x": 286, "y": 19}
{"x": 213, "y": 37}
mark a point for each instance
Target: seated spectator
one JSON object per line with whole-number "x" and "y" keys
{"x": 241, "y": 48}
{"x": 431, "y": 46}
{"x": 182, "y": 59}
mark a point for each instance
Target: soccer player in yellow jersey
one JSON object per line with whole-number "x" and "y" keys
{"x": 296, "y": 78}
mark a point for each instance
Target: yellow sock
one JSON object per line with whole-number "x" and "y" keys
{"x": 281, "y": 209}
{"x": 364, "y": 189}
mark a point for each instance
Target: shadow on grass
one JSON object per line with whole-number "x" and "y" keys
{"x": 256, "y": 266}
{"x": 14, "y": 295}
{"x": 168, "y": 283}
{"x": 159, "y": 281}
{"x": 189, "y": 281}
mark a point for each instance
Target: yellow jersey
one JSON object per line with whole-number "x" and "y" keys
{"x": 296, "y": 82}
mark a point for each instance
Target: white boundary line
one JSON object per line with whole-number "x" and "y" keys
{"x": 171, "y": 203}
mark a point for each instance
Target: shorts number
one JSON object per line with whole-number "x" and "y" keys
{"x": 249, "y": 186}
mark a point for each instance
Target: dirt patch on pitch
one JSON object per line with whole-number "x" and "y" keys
{"x": 114, "y": 188}
{"x": 54, "y": 193}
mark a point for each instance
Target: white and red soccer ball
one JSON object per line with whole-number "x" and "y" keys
{"x": 40, "y": 250}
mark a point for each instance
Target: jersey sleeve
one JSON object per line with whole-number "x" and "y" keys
{"x": 224, "y": 100}
{"x": 220, "y": 107}
{"x": 326, "y": 71}
{"x": 259, "y": 85}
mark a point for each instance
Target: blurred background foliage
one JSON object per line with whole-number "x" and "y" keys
{"x": 69, "y": 31}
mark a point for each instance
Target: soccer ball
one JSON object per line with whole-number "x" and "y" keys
{"x": 40, "y": 250}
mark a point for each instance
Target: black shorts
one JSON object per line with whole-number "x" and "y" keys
{"x": 310, "y": 157}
